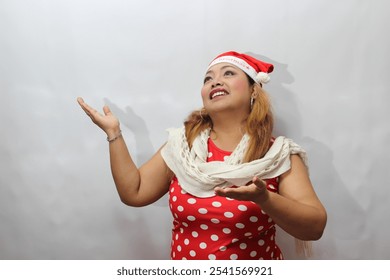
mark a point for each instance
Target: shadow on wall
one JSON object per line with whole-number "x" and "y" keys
{"x": 345, "y": 216}
{"x": 142, "y": 238}
{"x": 144, "y": 148}
{"x": 286, "y": 114}
{"x": 137, "y": 125}
{"x": 137, "y": 229}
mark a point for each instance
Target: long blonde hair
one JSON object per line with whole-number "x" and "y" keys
{"x": 259, "y": 125}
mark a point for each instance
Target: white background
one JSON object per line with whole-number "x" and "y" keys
{"x": 146, "y": 59}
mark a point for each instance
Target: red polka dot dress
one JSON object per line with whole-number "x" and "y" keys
{"x": 220, "y": 228}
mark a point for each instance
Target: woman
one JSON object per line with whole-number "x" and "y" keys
{"x": 229, "y": 181}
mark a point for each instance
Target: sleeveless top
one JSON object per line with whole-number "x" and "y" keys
{"x": 218, "y": 227}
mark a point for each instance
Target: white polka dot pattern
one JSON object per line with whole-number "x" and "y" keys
{"x": 219, "y": 228}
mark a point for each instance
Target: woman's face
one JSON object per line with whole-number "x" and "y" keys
{"x": 226, "y": 87}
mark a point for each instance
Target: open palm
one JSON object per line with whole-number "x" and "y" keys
{"x": 107, "y": 121}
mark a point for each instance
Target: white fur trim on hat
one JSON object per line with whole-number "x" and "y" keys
{"x": 262, "y": 78}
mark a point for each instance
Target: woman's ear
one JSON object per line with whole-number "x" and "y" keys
{"x": 255, "y": 91}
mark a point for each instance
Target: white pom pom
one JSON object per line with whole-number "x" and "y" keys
{"x": 263, "y": 77}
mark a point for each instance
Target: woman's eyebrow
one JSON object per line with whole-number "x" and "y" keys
{"x": 227, "y": 66}
{"x": 222, "y": 68}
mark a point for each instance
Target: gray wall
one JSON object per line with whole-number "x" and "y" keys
{"x": 330, "y": 91}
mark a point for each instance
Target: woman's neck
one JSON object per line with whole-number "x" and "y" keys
{"x": 226, "y": 135}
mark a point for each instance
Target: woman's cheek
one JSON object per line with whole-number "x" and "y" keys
{"x": 241, "y": 85}
{"x": 204, "y": 94}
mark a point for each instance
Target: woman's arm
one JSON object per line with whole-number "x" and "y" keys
{"x": 296, "y": 208}
{"x": 136, "y": 187}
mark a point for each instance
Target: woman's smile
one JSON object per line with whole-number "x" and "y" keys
{"x": 217, "y": 93}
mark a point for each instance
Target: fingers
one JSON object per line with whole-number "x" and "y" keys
{"x": 107, "y": 121}
{"x": 91, "y": 112}
{"x": 220, "y": 191}
{"x": 107, "y": 110}
{"x": 239, "y": 193}
{"x": 252, "y": 191}
{"x": 84, "y": 105}
{"x": 260, "y": 184}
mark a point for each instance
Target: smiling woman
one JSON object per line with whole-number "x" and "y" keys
{"x": 229, "y": 181}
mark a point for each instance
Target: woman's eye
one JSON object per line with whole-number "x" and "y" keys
{"x": 206, "y": 79}
{"x": 229, "y": 73}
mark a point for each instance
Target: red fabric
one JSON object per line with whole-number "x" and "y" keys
{"x": 218, "y": 227}
{"x": 258, "y": 65}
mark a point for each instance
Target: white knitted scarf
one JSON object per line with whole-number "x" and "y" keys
{"x": 199, "y": 178}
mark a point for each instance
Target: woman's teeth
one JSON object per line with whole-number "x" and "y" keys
{"x": 219, "y": 93}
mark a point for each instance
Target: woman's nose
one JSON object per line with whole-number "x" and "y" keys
{"x": 216, "y": 82}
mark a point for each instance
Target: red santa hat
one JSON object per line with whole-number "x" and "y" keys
{"x": 256, "y": 69}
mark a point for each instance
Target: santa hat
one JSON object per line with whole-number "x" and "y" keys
{"x": 256, "y": 69}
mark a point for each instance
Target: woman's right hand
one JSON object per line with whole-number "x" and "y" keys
{"x": 107, "y": 122}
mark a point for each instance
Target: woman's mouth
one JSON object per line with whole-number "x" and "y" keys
{"x": 217, "y": 92}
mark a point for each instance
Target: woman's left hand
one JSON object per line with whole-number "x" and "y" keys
{"x": 255, "y": 191}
